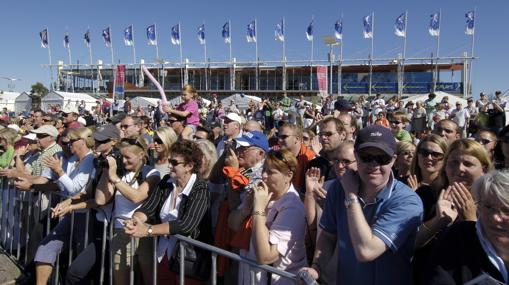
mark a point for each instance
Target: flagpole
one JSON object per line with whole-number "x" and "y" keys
{"x": 371, "y": 54}
{"x": 181, "y": 59}
{"x": 134, "y": 56}
{"x": 340, "y": 62}
{"x": 438, "y": 50}
{"x": 70, "y": 62}
{"x": 157, "y": 44}
{"x": 111, "y": 49}
{"x": 311, "y": 63}
{"x": 256, "y": 54}
{"x": 472, "y": 56}
{"x": 402, "y": 87}
{"x": 284, "y": 55}
{"x": 232, "y": 71}
{"x": 205, "y": 55}
{"x": 49, "y": 57}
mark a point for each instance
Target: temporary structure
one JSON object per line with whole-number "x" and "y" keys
{"x": 63, "y": 98}
{"x": 144, "y": 102}
{"x": 241, "y": 100}
{"x": 7, "y": 100}
{"x": 23, "y": 103}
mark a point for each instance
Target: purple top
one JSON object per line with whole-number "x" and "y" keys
{"x": 191, "y": 106}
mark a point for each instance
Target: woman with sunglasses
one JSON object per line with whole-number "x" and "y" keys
{"x": 129, "y": 192}
{"x": 72, "y": 176}
{"x": 471, "y": 250}
{"x": 488, "y": 139}
{"x": 164, "y": 138}
{"x": 405, "y": 152}
{"x": 450, "y": 198}
{"x": 279, "y": 221}
{"x": 180, "y": 206}
{"x": 428, "y": 160}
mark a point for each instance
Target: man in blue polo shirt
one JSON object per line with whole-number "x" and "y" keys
{"x": 370, "y": 216}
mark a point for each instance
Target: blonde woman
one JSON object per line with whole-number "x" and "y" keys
{"x": 164, "y": 138}
{"x": 8, "y": 138}
{"x": 405, "y": 152}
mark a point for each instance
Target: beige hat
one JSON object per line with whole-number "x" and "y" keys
{"x": 46, "y": 129}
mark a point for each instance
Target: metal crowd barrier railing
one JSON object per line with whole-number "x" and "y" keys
{"x": 18, "y": 216}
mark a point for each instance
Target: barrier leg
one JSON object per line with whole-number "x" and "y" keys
{"x": 111, "y": 250}
{"x": 131, "y": 268}
{"x": 29, "y": 214}
{"x": 103, "y": 251}
{"x": 48, "y": 213}
{"x": 154, "y": 261}
{"x": 214, "y": 269}
{"x": 252, "y": 276}
{"x": 87, "y": 221}
{"x": 71, "y": 236}
{"x": 21, "y": 199}
{"x": 10, "y": 215}
{"x": 181, "y": 263}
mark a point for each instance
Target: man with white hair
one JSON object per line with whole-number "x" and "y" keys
{"x": 232, "y": 129}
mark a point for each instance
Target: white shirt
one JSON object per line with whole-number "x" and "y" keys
{"x": 460, "y": 117}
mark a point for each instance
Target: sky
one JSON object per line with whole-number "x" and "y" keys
{"x": 22, "y": 57}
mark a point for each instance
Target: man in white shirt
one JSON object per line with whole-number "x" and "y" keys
{"x": 461, "y": 116}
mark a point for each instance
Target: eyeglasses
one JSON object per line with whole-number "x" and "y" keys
{"x": 175, "y": 162}
{"x": 98, "y": 142}
{"x": 283, "y": 137}
{"x": 326, "y": 134}
{"x": 379, "y": 159}
{"x": 344, "y": 162}
{"x": 41, "y": 136}
{"x": 395, "y": 122}
{"x": 158, "y": 140}
{"x": 501, "y": 212}
{"x": 71, "y": 141}
{"x": 125, "y": 126}
{"x": 304, "y": 138}
{"x": 434, "y": 154}
{"x": 483, "y": 141}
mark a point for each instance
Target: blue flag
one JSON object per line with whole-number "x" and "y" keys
{"x": 226, "y": 33}
{"x": 470, "y": 28}
{"x": 151, "y": 35}
{"x": 434, "y": 25}
{"x": 309, "y": 31}
{"x": 201, "y": 34}
{"x": 368, "y": 27}
{"x": 279, "y": 32}
{"x": 107, "y": 37}
{"x": 338, "y": 29}
{"x": 66, "y": 41}
{"x": 44, "y": 38}
{"x": 86, "y": 37}
{"x": 128, "y": 36}
{"x": 175, "y": 34}
{"x": 400, "y": 26}
{"x": 251, "y": 32}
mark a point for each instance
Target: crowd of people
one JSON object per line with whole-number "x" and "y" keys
{"x": 364, "y": 192}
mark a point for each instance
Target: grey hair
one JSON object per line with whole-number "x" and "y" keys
{"x": 494, "y": 184}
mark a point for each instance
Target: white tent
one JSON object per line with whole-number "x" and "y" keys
{"x": 23, "y": 103}
{"x": 63, "y": 98}
{"x": 144, "y": 102}
{"x": 440, "y": 95}
{"x": 241, "y": 100}
{"x": 7, "y": 100}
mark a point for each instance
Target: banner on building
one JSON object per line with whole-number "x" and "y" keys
{"x": 321, "y": 76}
{"x": 119, "y": 82}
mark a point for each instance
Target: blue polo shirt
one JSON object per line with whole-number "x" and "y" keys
{"x": 393, "y": 217}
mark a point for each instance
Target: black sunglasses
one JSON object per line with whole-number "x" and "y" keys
{"x": 395, "y": 122}
{"x": 175, "y": 162}
{"x": 434, "y": 154}
{"x": 381, "y": 159}
{"x": 158, "y": 140}
{"x": 132, "y": 142}
{"x": 41, "y": 136}
{"x": 97, "y": 142}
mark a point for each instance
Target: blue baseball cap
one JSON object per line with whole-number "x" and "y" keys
{"x": 376, "y": 136}
{"x": 254, "y": 138}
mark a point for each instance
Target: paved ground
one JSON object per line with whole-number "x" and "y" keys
{"x": 9, "y": 272}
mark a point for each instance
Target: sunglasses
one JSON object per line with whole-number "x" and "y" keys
{"x": 381, "y": 159}
{"x": 304, "y": 138}
{"x": 175, "y": 162}
{"x": 132, "y": 142}
{"x": 98, "y": 142}
{"x": 41, "y": 136}
{"x": 125, "y": 126}
{"x": 284, "y": 137}
{"x": 158, "y": 140}
{"x": 395, "y": 122}
{"x": 70, "y": 142}
{"x": 434, "y": 154}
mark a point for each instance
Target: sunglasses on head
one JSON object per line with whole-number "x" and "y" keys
{"x": 434, "y": 154}
{"x": 132, "y": 142}
{"x": 158, "y": 140}
{"x": 381, "y": 159}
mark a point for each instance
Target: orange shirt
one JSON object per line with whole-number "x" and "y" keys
{"x": 299, "y": 177}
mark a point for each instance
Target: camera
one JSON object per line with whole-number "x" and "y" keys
{"x": 102, "y": 162}
{"x": 230, "y": 145}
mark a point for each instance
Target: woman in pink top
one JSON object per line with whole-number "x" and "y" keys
{"x": 188, "y": 109}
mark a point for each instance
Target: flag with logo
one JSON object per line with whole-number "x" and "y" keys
{"x": 107, "y": 37}
{"x": 201, "y": 34}
{"x": 309, "y": 31}
{"x": 338, "y": 29}
{"x": 175, "y": 34}
{"x": 279, "y": 32}
{"x": 44, "y": 38}
{"x": 128, "y": 36}
{"x": 251, "y": 32}
{"x": 368, "y": 27}
{"x": 434, "y": 25}
{"x": 86, "y": 37}
{"x": 151, "y": 35}
{"x": 119, "y": 81}
{"x": 470, "y": 28}
{"x": 66, "y": 41}
{"x": 400, "y": 26}
{"x": 226, "y": 33}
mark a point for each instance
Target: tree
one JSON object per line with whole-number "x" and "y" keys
{"x": 39, "y": 90}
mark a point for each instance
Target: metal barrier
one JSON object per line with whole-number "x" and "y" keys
{"x": 18, "y": 217}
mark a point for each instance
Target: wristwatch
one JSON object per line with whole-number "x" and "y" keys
{"x": 149, "y": 231}
{"x": 350, "y": 201}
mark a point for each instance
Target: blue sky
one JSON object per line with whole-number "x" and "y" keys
{"x": 22, "y": 57}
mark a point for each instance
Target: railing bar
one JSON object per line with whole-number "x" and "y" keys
{"x": 131, "y": 268}
{"x": 71, "y": 235}
{"x": 181, "y": 263}
{"x": 214, "y": 269}
{"x": 103, "y": 251}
